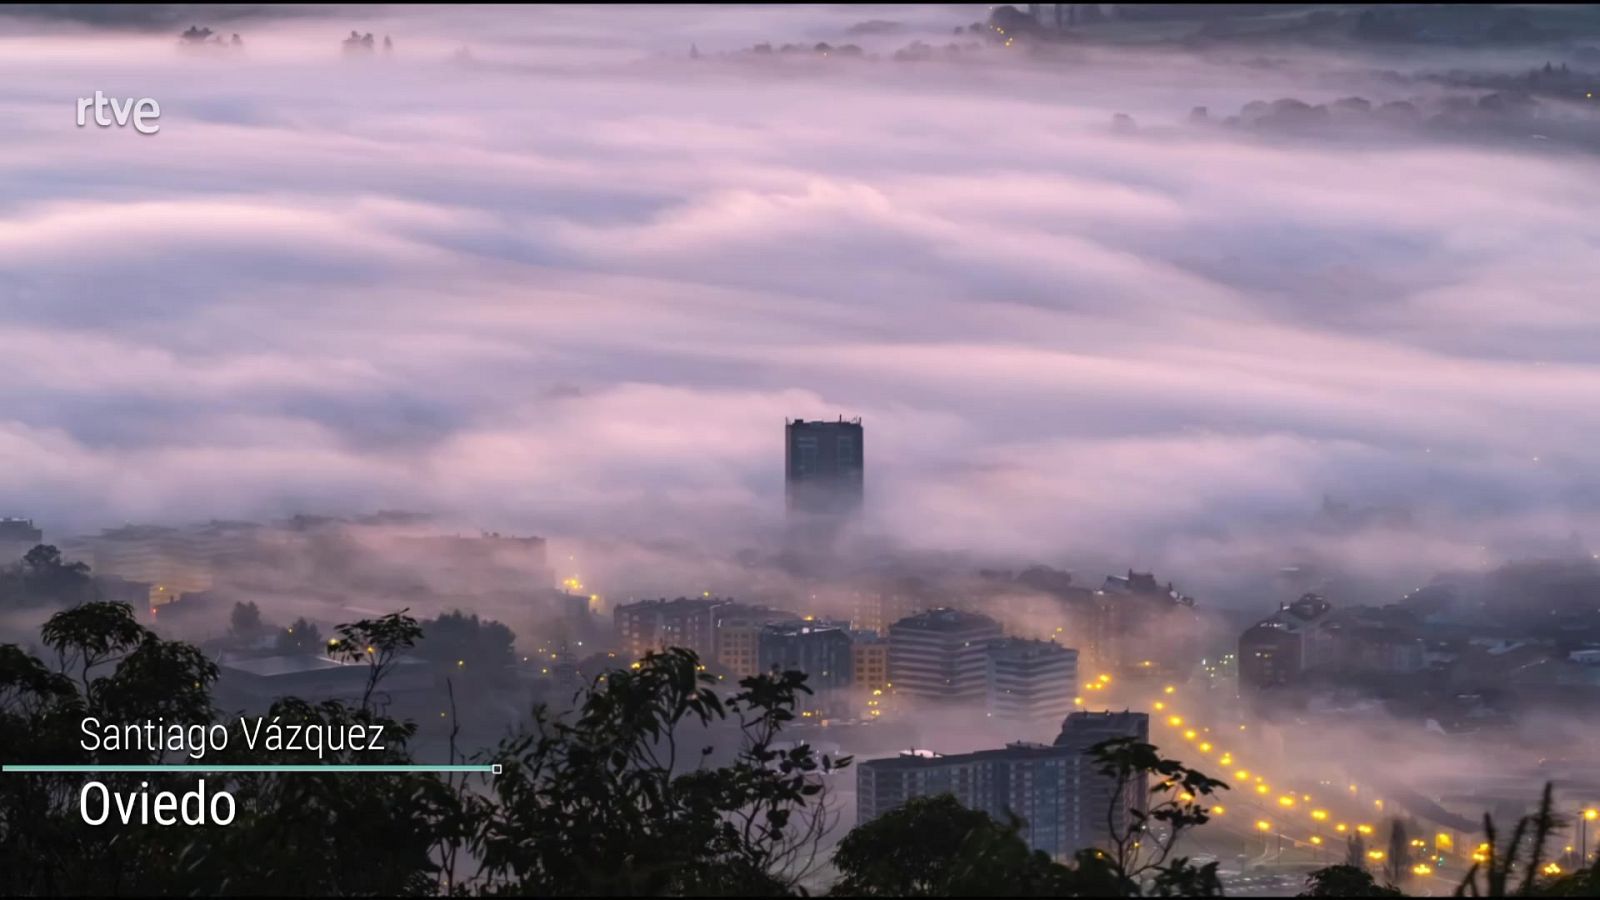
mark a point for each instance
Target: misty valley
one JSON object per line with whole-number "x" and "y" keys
{"x": 783, "y": 450}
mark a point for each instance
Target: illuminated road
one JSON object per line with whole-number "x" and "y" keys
{"x": 1274, "y": 823}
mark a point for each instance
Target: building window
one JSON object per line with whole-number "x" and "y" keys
{"x": 807, "y": 449}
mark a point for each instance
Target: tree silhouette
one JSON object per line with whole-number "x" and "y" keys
{"x": 245, "y": 621}
{"x": 619, "y": 796}
{"x": 1492, "y": 876}
{"x": 479, "y": 649}
{"x": 1345, "y": 881}
{"x": 1355, "y": 851}
{"x": 1138, "y": 852}
{"x": 1397, "y": 865}
{"x": 293, "y": 835}
{"x": 935, "y": 847}
{"x": 932, "y": 846}
{"x": 379, "y": 643}
{"x": 301, "y": 637}
{"x": 602, "y": 803}
{"x": 44, "y": 577}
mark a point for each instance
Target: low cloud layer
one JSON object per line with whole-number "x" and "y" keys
{"x": 575, "y": 285}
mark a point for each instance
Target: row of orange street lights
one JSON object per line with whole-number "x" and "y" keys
{"x": 1444, "y": 842}
{"x": 1200, "y": 739}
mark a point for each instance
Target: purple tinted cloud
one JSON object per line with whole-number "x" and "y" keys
{"x": 578, "y": 287}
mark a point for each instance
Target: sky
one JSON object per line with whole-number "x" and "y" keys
{"x": 575, "y": 287}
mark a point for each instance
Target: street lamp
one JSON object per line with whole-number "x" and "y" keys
{"x": 1589, "y": 815}
{"x": 1265, "y": 827}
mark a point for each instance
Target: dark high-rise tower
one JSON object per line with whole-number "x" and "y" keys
{"x": 823, "y": 467}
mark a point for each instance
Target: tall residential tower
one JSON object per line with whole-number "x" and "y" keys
{"x": 823, "y": 466}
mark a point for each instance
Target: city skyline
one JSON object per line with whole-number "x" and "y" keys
{"x": 402, "y": 383}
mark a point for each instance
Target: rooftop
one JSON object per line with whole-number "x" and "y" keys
{"x": 293, "y": 664}
{"x": 915, "y": 759}
{"x": 270, "y": 666}
{"x": 946, "y": 619}
{"x": 802, "y": 627}
{"x": 856, "y": 422}
{"x": 1025, "y": 648}
{"x": 696, "y": 603}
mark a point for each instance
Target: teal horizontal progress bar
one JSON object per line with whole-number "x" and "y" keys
{"x": 225, "y": 770}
